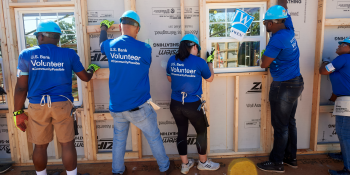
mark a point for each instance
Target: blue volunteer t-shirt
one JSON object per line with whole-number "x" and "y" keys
{"x": 284, "y": 48}
{"x": 340, "y": 78}
{"x": 129, "y": 62}
{"x": 186, "y": 76}
{"x": 49, "y": 71}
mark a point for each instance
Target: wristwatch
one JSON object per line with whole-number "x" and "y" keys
{"x": 18, "y": 112}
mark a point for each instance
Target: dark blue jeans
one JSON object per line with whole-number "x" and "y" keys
{"x": 284, "y": 101}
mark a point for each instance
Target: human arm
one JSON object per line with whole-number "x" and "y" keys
{"x": 20, "y": 96}
{"x": 211, "y": 78}
{"x": 169, "y": 78}
{"x": 86, "y": 75}
{"x": 266, "y": 61}
{"x": 105, "y": 24}
{"x": 323, "y": 70}
{"x": 283, "y": 3}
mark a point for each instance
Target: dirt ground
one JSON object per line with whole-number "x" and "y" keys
{"x": 307, "y": 165}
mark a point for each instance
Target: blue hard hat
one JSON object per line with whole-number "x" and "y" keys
{"x": 48, "y": 26}
{"x": 346, "y": 40}
{"x": 276, "y": 12}
{"x": 193, "y": 38}
{"x": 131, "y": 14}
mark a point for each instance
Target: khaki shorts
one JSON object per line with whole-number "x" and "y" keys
{"x": 42, "y": 120}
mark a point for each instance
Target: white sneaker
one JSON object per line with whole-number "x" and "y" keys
{"x": 186, "y": 168}
{"x": 208, "y": 165}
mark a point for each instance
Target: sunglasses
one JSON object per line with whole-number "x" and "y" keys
{"x": 344, "y": 44}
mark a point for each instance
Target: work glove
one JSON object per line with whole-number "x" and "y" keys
{"x": 19, "y": 117}
{"x": 326, "y": 60}
{"x": 2, "y": 91}
{"x": 106, "y": 23}
{"x": 210, "y": 57}
{"x": 93, "y": 68}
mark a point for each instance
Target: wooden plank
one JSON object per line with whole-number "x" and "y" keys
{"x": 42, "y": 4}
{"x": 240, "y": 74}
{"x": 89, "y": 126}
{"x": 133, "y": 5}
{"x": 134, "y": 137}
{"x": 43, "y": 0}
{"x": 269, "y": 129}
{"x": 103, "y": 116}
{"x": 326, "y": 108}
{"x": 58, "y": 148}
{"x": 236, "y": 113}
{"x": 139, "y": 143}
{"x": 97, "y": 29}
{"x": 108, "y": 156}
{"x": 230, "y": 1}
{"x": 321, "y": 13}
{"x": 337, "y": 22}
{"x": 182, "y": 5}
{"x": 263, "y": 113}
{"x": 102, "y": 73}
{"x": 86, "y": 131}
{"x": 328, "y": 147}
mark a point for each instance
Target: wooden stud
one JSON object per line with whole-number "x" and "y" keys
{"x": 182, "y": 5}
{"x": 328, "y": 147}
{"x": 42, "y": 4}
{"x": 102, "y": 73}
{"x": 321, "y": 13}
{"x": 134, "y": 138}
{"x": 240, "y": 74}
{"x": 231, "y": 1}
{"x": 337, "y": 22}
{"x": 97, "y": 29}
{"x": 326, "y": 108}
{"x": 43, "y": 0}
{"x": 58, "y": 148}
{"x": 269, "y": 129}
{"x": 236, "y": 113}
{"x": 264, "y": 101}
{"x": 108, "y": 156}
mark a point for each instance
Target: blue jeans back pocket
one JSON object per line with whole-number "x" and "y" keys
{"x": 141, "y": 114}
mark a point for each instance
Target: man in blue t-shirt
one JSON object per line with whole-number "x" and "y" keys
{"x": 339, "y": 74}
{"x": 282, "y": 56}
{"x": 45, "y": 73}
{"x": 129, "y": 89}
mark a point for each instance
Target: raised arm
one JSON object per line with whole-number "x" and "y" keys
{"x": 283, "y": 3}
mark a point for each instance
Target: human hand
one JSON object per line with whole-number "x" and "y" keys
{"x": 19, "y": 121}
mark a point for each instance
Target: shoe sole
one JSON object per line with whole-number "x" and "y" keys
{"x": 271, "y": 171}
{"x": 188, "y": 169}
{"x": 291, "y": 165}
{"x": 208, "y": 169}
{"x": 5, "y": 170}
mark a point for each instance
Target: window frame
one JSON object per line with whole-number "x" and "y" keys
{"x": 21, "y": 37}
{"x": 262, "y": 38}
{"x": 3, "y": 106}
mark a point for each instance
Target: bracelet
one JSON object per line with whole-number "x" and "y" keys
{"x": 18, "y": 112}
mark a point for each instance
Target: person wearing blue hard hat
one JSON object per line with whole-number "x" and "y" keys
{"x": 338, "y": 70}
{"x": 185, "y": 71}
{"x": 282, "y": 57}
{"x": 129, "y": 89}
{"x": 45, "y": 73}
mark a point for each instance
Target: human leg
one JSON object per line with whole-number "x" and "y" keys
{"x": 40, "y": 157}
{"x": 69, "y": 155}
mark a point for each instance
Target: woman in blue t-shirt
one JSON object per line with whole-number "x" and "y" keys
{"x": 339, "y": 74}
{"x": 185, "y": 71}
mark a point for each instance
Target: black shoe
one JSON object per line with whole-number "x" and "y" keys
{"x": 170, "y": 169}
{"x": 83, "y": 174}
{"x": 342, "y": 172}
{"x": 271, "y": 167}
{"x": 121, "y": 173}
{"x": 291, "y": 162}
{"x": 5, "y": 167}
{"x": 336, "y": 156}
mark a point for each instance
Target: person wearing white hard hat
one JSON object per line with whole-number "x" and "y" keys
{"x": 185, "y": 72}
{"x": 45, "y": 72}
{"x": 282, "y": 56}
{"x": 339, "y": 74}
{"x": 129, "y": 89}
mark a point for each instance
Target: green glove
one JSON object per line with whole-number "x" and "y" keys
{"x": 107, "y": 23}
{"x": 210, "y": 58}
{"x": 93, "y": 68}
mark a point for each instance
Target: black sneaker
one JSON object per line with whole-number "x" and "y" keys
{"x": 291, "y": 162}
{"x": 342, "y": 172}
{"x": 336, "y": 156}
{"x": 271, "y": 167}
{"x": 5, "y": 167}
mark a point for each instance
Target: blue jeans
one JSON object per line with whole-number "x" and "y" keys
{"x": 284, "y": 101}
{"x": 146, "y": 119}
{"x": 342, "y": 128}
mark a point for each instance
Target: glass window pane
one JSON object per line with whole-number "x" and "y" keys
{"x": 253, "y": 12}
{"x": 67, "y": 25}
{"x": 254, "y": 29}
{"x": 31, "y": 41}
{"x": 65, "y": 15}
{"x": 69, "y": 41}
{"x": 216, "y": 15}
{"x": 48, "y": 16}
{"x": 230, "y": 14}
{"x": 248, "y": 54}
{"x": 30, "y": 26}
{"x": 233, "y": 45}
{"x": 30, "y": 16}
{"x": 217, "y": 30}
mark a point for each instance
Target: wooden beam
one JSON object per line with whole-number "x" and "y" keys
{"x": 139, "y": 142}
{"x": 108, "y": 156}
{"x": 337, "y": 22}
{"x": 97, "y": 29}
{"x": 263, "y": 113}
{"x": 321, "y": 13}
{"x": 328, "y": 147}
{"x": 240, "y": 74}
{"x": 230, "y": 1}
{"x": 133, "y": 5}
{"x": 101, "y": 74}
{"x": 182, "y": 5}
{"x": 43, "y": 0}
{"x": 89, "y": 127}
{"x": 134, "y": 137}
{"x": 42, "y": 4}
{"x": 235, "y": 113}
{"x": 103, "y": 116}
{"x": 58, "y": 148}
{"x": 326, "y": 108}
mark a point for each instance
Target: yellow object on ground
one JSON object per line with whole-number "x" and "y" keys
{"x": 242, "y": 166}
